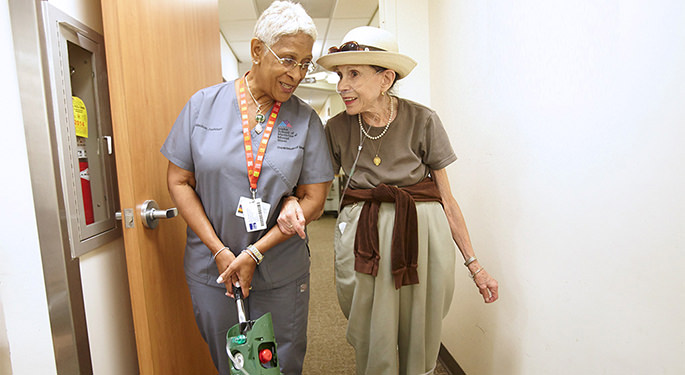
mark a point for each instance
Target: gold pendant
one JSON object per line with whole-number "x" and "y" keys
{"x": 377, "y": 160}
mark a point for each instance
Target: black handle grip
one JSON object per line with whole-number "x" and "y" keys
{"x": 237, "y": 292}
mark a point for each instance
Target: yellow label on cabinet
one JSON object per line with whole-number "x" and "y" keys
{"x": 80, "y": 117}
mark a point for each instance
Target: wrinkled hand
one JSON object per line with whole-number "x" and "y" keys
{"x": 291, "y": 219}
{"x": 487, "y": 286}
{"x": 239, "y": 271}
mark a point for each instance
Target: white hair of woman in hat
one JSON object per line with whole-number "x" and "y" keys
{"x": 399, "y": 227}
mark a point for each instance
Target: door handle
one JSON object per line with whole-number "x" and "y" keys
{"x": 150, "y": 213}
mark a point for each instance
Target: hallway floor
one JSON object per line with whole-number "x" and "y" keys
{"x": 328, "y": 352}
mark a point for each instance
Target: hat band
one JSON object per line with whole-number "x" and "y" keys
{"x": 353, "y": 46}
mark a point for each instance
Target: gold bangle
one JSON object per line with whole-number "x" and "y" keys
{"x": 254, "y": 251}
{"x": 250, "y": 254}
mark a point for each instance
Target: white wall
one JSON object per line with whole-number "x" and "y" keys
{"x": 408, "y": 21}
{"x": 27, "y": 341}
{"x": 88, "y": 12}
{"x": 568, "y": 119}
{"x": 229, "y": 63}
{"x": 331, "y": 107}
{"x": 5, "y": 362}
{"x": 108, "y": 310}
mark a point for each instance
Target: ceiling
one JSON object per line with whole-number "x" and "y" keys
{"x": 333, "y": 19}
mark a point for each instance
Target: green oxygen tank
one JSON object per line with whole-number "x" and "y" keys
{"x": 251, "y": 344}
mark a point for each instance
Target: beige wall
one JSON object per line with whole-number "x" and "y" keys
{"x": 568, "y": 121}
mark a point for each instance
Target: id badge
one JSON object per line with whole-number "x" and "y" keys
{"x": 255, "y": 213}
{"x": 239, "y": 211}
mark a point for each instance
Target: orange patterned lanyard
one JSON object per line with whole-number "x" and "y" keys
{"x": 254, "y": 167}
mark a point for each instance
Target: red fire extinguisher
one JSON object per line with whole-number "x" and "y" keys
{"x": 85, "y": 188}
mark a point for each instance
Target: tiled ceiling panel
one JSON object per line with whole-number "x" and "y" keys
{"x": 315, "y": 8}
{"x": 340, "y": 27}
{"x": 231, "y": 10}
{"x": 238, "y": 30}
{"x": 355, "y": 9}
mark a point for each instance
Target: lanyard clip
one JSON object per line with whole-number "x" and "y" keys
{"x": 254, "y": 193}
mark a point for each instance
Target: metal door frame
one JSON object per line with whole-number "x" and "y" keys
{"x": 61, "y": 272}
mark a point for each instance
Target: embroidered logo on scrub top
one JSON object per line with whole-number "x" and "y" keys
{"x": 285, "y": 131}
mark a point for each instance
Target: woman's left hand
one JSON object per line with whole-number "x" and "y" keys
{"x": 291, "y": 220}
{"x": 487, "y": 286}
{"x": 243, "y": 268}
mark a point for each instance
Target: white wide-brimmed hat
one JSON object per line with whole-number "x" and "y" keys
{"x": 376, "y": 47}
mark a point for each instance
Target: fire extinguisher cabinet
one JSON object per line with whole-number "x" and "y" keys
{"x": 83, "y": 131}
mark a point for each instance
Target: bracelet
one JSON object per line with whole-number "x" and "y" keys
{"x": 473, "y": 275}
{"x": 470, "y": 260}
{"x": 217, "y": 253}
{"x": 254, "y": 251}
{"x": 250, "y": 254}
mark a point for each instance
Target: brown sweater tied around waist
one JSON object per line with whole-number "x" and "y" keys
{"x": 404, "y": 248}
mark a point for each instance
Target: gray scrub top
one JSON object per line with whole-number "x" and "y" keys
{"x": 207, "y": 140}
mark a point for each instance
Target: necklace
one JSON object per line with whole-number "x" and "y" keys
{"x": 359, "y": 119}
{"x": 376, "y": 159}
{"x": 259, "y": 116}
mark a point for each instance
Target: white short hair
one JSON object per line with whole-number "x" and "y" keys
{"x": 283, "y": 18}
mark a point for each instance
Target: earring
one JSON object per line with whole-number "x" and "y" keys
{"x": 382, "y": 93}
{"x": 255, "y": 62}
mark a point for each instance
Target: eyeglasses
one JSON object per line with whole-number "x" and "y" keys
{"x": 290, "y": 64}
{"x": 353, "y": 46}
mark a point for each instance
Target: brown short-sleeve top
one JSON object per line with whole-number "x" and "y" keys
{"x": 416, "y": 143}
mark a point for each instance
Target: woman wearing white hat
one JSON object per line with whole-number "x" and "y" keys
{"x": 396, "y": 233}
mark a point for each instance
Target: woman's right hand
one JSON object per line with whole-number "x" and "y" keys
{"x": 291, "y": 219}
{"x": 239, "y": 273}
{"x": 223, "y": 261}
{"x": 487, "y": 286}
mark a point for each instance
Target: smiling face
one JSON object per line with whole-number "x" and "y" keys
{"x": 360, "y": 87}
{"x": 273, "y": 79}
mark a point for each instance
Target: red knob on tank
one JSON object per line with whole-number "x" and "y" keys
{"x": 265, "y": 355}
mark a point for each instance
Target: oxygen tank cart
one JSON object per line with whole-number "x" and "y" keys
{"x": 251, "y": 344}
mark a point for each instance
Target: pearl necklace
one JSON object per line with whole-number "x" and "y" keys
{"x": 359, "y": 119}
{"x": 376, "y": 159}
{"x": 259, "y": 116}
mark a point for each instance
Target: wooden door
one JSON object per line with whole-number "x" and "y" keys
{"x": 159, "y": 52}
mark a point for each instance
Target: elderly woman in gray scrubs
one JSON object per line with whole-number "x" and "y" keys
{"x": 235, "y": 151}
